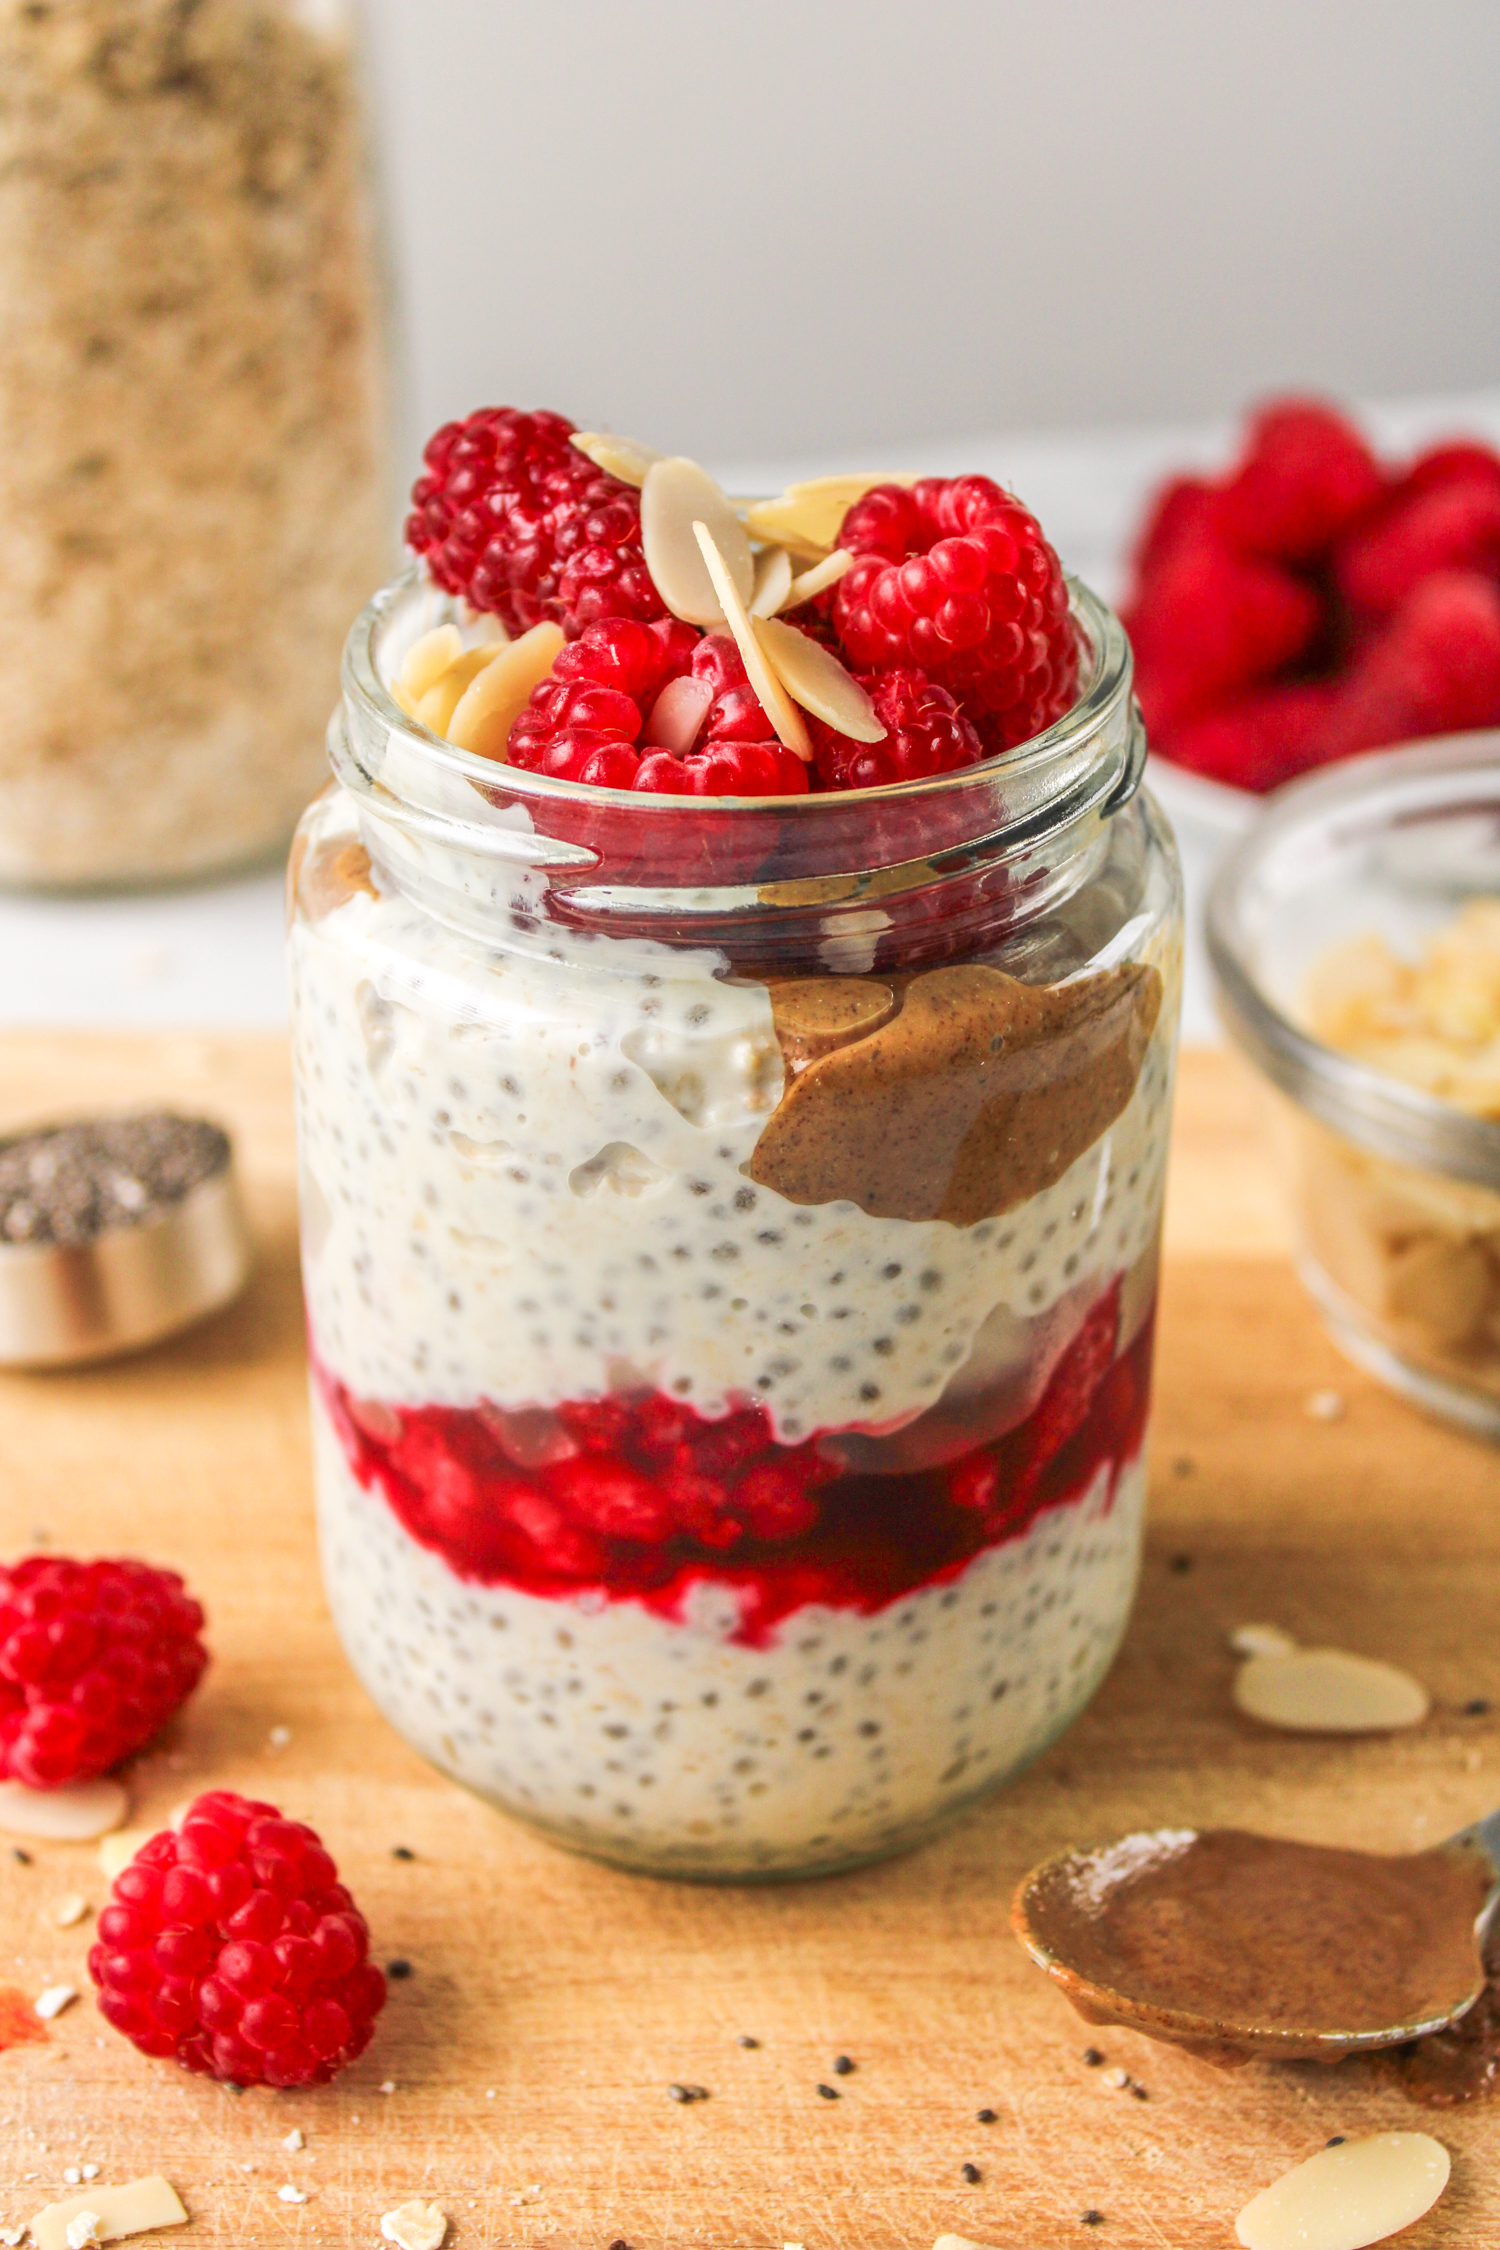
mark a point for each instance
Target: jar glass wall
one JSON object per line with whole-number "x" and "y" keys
{"x": 730, "y": 1238}
{"x": 193, "y": 451}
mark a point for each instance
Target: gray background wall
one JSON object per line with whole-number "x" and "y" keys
{"x": 749, "y": 228}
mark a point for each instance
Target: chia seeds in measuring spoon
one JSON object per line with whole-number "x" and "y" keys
{"x": 67, "y": 1185}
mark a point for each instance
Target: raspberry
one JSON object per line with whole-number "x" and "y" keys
{"x": 512, "y": 516}
{"x": 1065, "y": 1404}
{"x": 926, "y": 733}
{"x": 1304, "y": 477}
{"x": 233, "y": 1947}
{"x": 1449, "y": 524}
{"x": 1261, "y": 741}
{"x": 94, "y": 1659}
{"x": 1434, "y": 670}
{"x": 1461, "y": 460}
{"x": 1184, "y": 505}
{"x": 1210, "y": 623}
{"x": 955, "y": 576}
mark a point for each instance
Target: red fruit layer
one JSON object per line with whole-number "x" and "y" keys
{"x": 641, "y": 1498}
{"x": 955, "y": 576}
{"x": 233, "y": 1948}
{"x": 94, "y": 1659}
{"x": 510, "y": 515}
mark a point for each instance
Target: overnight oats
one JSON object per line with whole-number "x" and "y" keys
{"x": 735, "y": 989}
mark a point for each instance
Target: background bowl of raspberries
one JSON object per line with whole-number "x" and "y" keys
{"x": 1312, "y": 602}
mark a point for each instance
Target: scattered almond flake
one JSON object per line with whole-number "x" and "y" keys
{"x": 278, "y": 1738}
{"x": 620, "y": 457}
{"x": 290, "y": 2194}
{"x": 1117, "y": 2077}
{"x": 818, "y": 681}
{"x": 387, "y": 2085}
{"x": 1347, "y": 2196}
{"x": 677, "y": 714}
{"x": 70, "y": 1909}
{"x": 74, "y": 1815}
{"x": 435, "y": 709}
{"x": 810, "y": 516}
{"x": 1328, "y": 1691}
{"x": 957, "y": 2242}
{"x": 53, "y": 2001}
{"x": 773, "y": 581}
{"x": 117, "y": 1851}
{"x": 294, "y": 2140}
{"x": 87, "y": 2227}
{"x": 416, "y": 2226}
{"x": 527, "y": 2195}
{"x": 136, "y": 2208}
{"x": 1325, "y": 1406}
{"x": 427, "y": 660}
{"x": 1261, "y": 1640}
{"x": 775, "y": 702}
{"x": 481, "y": 719}
{"x": 676, "y": 497}
{"x": 817, "y": 580}
{"x": 12, "y": 2236}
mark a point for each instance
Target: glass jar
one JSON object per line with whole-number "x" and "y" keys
{"x": 193, "y": 453}
{"x": 1394, "y": 1194}
{"x": 730, "y": 1241}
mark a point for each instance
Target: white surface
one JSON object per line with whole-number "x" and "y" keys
{"x": 212, "y": 955}
{"x": 861, "y": 222}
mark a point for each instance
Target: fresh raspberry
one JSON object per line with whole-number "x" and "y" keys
{"x": 94, "y": 1659}
{"x": 1305, "y": 476}
{"x": 513, "y": 517}
{"x": 1450, "y": 524}
{"x": 955, "y": 576}
{"x": 1262, "y": 740}
{"x": 1434, "y": 670}
{"x": 1183, "y": 506}
{"x": 233, "y": 1947}
{"x": 926, "y": 733}
{"x": 1459, "y": 461}
{"x": 1065, "y": 1404}
{"x": 586, "y": 720}
{"x": 1209, "y": 624}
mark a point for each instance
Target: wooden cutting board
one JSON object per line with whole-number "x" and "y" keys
{"x": 551, "y": 2002}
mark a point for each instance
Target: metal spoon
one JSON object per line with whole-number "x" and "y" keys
{"x": 1235, "y": 1945}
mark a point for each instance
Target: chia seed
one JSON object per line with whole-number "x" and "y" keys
{"x": 1091, "y": 2218}
{"x": 985, "y": 2116}
{"x": 398, "y": 1970}
{"x": 842, "y": 2065}
{"x": 972, "y": 2174}
{"x": 829, "y": 2093}
{"x": 1092, "y": 2057}
{"x": 402, "y": 1851}
{"x": 745, "y": 2040}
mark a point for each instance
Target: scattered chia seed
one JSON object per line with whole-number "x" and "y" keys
{"x": 398, "y": 1970}
{"x": 842, "y": 2065}
{"x": 680, "y": 2093}
{"x": 1092, "y": 2057}
{"x": 17, "y": 1853}
{"x": 71, "y": 1183}
{"x": 619, "y": 2244}
{"x": 745, "y": 2040}
{"x": 1091, "y": 2217}
{"x": 1139, "y": 2091}
{"x": 972, "y": 2174}
{"x": 402, "y": 1851}
{"x": 1337, "y": 2140}
{"x": 1183, "y": 1465}
{"x": 985, "y": 2116}
{"x": 1476, "y": 1707}
{"x": 1180, "y": 1565}
{"x": 829, "y": 2093}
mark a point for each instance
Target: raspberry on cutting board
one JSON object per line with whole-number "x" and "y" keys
{"x": 94, "y": 1659}
{"x": 855, "y": 633}
{"x": 232, "y": 1948}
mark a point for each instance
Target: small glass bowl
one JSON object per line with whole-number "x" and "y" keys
{"x": 1395, "y": 1195}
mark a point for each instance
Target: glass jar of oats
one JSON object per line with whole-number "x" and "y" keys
{"x": 192, "y": 426}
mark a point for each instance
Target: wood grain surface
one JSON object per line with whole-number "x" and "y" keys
{"x": 551, "y": 2002}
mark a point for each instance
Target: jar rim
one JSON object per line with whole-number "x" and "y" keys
{"x": 1378, "y": 790}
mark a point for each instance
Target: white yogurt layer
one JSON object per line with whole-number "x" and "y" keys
{"x": 668, "y": 1745}
{"x": 523, "y": 1181}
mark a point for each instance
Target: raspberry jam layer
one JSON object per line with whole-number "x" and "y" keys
{"x": 640, "y": 1498}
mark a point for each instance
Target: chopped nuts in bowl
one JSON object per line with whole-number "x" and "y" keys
{"x": 1355, "y": 940}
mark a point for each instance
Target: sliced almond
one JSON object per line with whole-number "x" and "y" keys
{"x": 118, "y": 1850}
{"x": 135, "y": 2208}
{"x": 435, "y": 709}
{"x": 621, "y": 457}
{"x": 810, "y": 516}
{"x": 676, "y": 496}
{"x": 817, "y": 580}
{"x": 1328, "y": 1691}
{"x": 1261, "y": 1640}
{"x": 676, "y": 715}
{"x": 1348, "y": 2196}
{"x": 819, "y": 682}
{"x": 773, "y": 581}
{"x": 74, "y": 1815}
{"x": 426, "y": 661}
{"x": 775, "y": 702}
{"x": 481, "y": 719}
